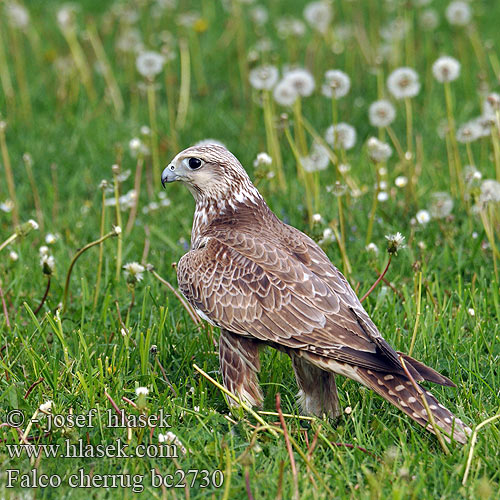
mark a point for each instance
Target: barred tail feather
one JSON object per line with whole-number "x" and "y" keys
{"x": 400, "y": 391}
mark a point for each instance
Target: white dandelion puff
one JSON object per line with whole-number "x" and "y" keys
{"x": 141, "y": 391}
{"x": 429, "y": 19}
{"x": 262, "y": 160}
{"x": 490, "y": 191}
{"x": 17, "y": 15}
{"x": 134, "y": 271}
{"x": 458, "y": 13}
{"x": 285, "y": 93}
{"x": 378, "y": 151}
{"x": 318, "y": 15}
{"x": 264, "y": 77}
{"x": 301, "y": 80}
{"x": 337, "y": 84}
{"x": 381, "y": 113}
{"x": 441, "y": 205}
{"x": 317, "y": 159}
{"x": 469, "y": 132}
{"x": 13, "y": 256}
{"x": 395, "y": 242}
{"x": 149, "y": 64}
{"x": 403, "y": 83}
{"x": 446, "y": 69}
{"x": 341, "y": 136}
{"x": 372, "y": 248}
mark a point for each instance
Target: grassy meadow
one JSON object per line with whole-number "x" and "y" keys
{"x": 96, "y": 97}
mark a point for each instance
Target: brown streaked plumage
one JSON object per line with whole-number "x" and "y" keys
{"x": 264, "y": 282}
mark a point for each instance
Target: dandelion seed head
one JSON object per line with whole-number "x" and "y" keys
{"x": 317, "y": 159}
{"x": 13, "y": 256}
{"x": 344, "y": 168}
{"x": 429, "y": 19}
{"x": 382, "y": 196}
{"x": 66, "y": 16}
{"x": 301, "y": 80}
{"x": 285, "y": 93}
{"x": 141, "y": 391}
{"x": 441, "y": 205}
{"x": 381, "y": 113}
{"x": 317, "y": 218}
{"x": 490, "y": 191}
{"x": 134, "y": 271}
{"x": 403, "y": 83}
{"x": 458, "y": 13}
{"x": 471, "y": 175}
{"x": 259, "y": 15}
{"x": 423, "y": 217}
{"x": 117, "y": 230}
{"x": 394, "y": 30}
{"x": 337, "y": 84}
{"x": 51, "y": 238}
{"x": 378, "y": 151}
{"x": 446, "y": 69}
{"x": 328, "y": 236}
{"x": 130, "y": 41}
{"x": 17, "y": 15}
{"x": 33, "y": 224}
{"x": 471, "y": 311}
{"x": 290, "y": 27}
{"x": 341, "y": 136}
{"x": 149, "y": 64}
{"x": 48, "y": 263}
{"x": 469, "y": 132}
{"x": 264, "y": 77}
{"x": 135, "y": 144}
{"x": 318, "y": 15}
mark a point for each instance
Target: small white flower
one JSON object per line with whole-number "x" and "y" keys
{"x": 423, "y": 217}
{"x": 395, "y": 242}
{"x": 145, "y": 130}
{"x": 441, "y": 205}
{"x": 48, "y": 263}
{"x": 301, "y": 80}
{"x": 381, "y": 113}
{"x": 403, "y": 83}
{"x": 337, "y": 84}
{"x": 458, "y": 13}
{"x": 348, "y": 410}
{"x": 117, "y": 230}
{"x": 317, "y": 159}
{"x": 66, "y": 16}
{"x": 46, "y": 407}
{"x": 50, "y": 238}
{"x": 149, "y": 64}
{"x": 135, "y": 145}
{"x": 259, "y": 15}
{"x": 328, "y": 236}
{"x": 262, "y": 160}
{"x": 371, "y": 247}
{"x": 43, "y": 250}
{"x": 446, "y": 69}
{"x": 471, "y": 311}
{"x": 317, "y": 218}
{"x": 401, "y": 181}
{"x": 133, "y": 271}
{"x": 382, "y": 196}
{"x": 141, "y": 390}
{"x": 318, "y": 15}
{"x": 33, "y": 224}
{"x": 13, "y": 256}
{"x": 170, "y": 437}
{"x": 290, "y": 27}
{"x": 285, "y": 93}
{"x": 7, "y": 206}
{"x": 378, "y": 151}
{"x": 341, "y": 136}
{"x": 263, "y": 77}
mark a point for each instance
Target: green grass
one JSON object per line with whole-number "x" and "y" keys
{"x": 74, "y": 141}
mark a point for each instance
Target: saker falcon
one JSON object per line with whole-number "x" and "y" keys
{"x": 264, "y": 282}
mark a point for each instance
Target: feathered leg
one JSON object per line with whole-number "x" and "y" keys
{"x": 239, "y": 365}
{"x": 318, "y": 390}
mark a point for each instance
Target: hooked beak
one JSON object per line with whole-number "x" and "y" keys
{"x": 168, "y": 175}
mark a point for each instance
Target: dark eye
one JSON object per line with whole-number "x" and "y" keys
{"x": 194, "y": 163}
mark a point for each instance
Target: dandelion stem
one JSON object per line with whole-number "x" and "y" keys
{"x": 183, "y": 104}
{"x": 137, "y": 189}
{"x": 299, "y": 127}
{"x": 396, "y": 143}
{"x": 8, "y": 89}
{"x": 453, "y": 138}
{"x": 44, "y": 298}
{"x": 113, "y": 88}
{"x": 75, "y": 258}
{"x": 118, "y": 223}
{"x": 373, "y": 210}
{"x": 5, "y": 310}
{"x": 272, "y": 139}
{"x": 34, "y": 189}
{"x": 378, "y": 280}
{"x": 154, "y": 131}
{"x": 9, "y": 240}
{"x": 101, "y": 248}
{"x": 9, "y": 175}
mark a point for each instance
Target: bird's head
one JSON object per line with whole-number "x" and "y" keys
{"x": 209, "y": 171}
